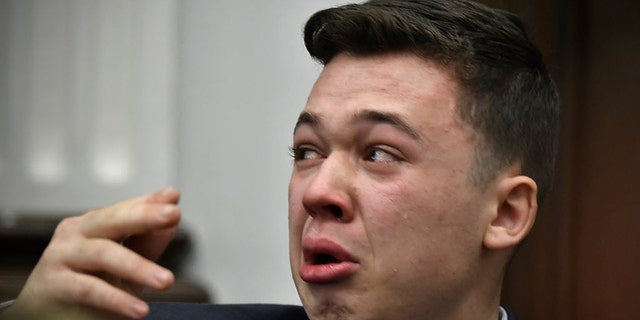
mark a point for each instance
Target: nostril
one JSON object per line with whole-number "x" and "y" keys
{"x": 326, "y": 212}
{"x": 335, "y": 211}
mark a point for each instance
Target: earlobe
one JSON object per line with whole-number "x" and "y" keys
{"x": 515, "y": 213}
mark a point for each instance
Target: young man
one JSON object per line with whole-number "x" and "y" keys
{"x": 420, "y": 159}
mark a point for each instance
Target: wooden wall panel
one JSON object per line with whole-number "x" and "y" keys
{"x": 582, "y": 260}
{"x": 607, "y": 283}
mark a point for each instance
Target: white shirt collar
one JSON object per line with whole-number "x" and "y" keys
{"x": 503, "y": 314}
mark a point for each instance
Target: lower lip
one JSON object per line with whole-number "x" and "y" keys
{"x": 326, "y": 273}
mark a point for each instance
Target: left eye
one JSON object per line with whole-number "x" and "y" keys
{"x": 378, "y": 155}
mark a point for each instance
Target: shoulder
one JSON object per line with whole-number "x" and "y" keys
{"x": 172, "y": 310}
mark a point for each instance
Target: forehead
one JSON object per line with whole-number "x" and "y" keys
{"x": 418, "y": 91}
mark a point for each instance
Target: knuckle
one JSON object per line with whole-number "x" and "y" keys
{"x": 66, "y": 226}
{"x": 91, "y": 213}
{"x": 81, "y": 291}
{"x": 58, "y": 250}
{"x": 138, "y": 208}
{"x": 100, "y": 251}
{"x": 52, "y": 253}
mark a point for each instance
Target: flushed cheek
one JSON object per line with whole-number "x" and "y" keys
{"x": 412, "y": 249}
{"x": 397, "y": 205}
{"x": 405, "y": 222}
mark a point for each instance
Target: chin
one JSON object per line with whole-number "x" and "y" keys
{"x": 330, "y": 310}
{"x": 331, "y": 302}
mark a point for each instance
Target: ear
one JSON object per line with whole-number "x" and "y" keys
{"x": 515, "y": 212}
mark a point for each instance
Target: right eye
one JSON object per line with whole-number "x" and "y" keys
{"x": 303, "y": 153}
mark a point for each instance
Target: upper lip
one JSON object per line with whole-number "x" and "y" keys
{"x": 323, "y": 251}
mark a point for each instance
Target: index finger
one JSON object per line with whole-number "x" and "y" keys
{"x": 139, "y": 215}
{"x": 168, "y": 195}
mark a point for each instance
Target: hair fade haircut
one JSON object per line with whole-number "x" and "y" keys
{"x": 507, "y": 94}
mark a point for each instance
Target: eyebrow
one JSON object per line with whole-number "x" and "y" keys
{"x": 306, "y": 118}
{"x": 389, "y": 118}
{"x": 393, "y": 119}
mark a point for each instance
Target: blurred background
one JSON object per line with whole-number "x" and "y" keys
{"x": 102, "y": 100}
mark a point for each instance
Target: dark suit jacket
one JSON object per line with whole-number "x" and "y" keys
{"x": 180, "y": 311}
{"x": 183, "y": 311}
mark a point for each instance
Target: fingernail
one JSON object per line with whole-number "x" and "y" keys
{"x": 167, "y": 210}
{"x": 140, "y": 309}
{"x": 166, "y": 190}
{"x": 163, "y": 277}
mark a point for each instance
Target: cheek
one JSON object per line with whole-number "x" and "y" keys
{"x": 294, "y": 197}
{"x": 296, "y": 225}
{"x": 394, "y": 214}
{"x": 295, "y": 189}
{"x": 297, "y": 215}
{"x": 401, "y": 204}
{"x": 415, "y": 218}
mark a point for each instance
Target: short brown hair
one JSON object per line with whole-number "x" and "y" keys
{"x": 507, "y": 94}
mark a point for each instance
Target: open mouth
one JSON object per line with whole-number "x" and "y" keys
{"x": 325, "y": 262}
{"x": 323, "y": 258}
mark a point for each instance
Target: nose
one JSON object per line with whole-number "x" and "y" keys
{"x": 328, "y": 196}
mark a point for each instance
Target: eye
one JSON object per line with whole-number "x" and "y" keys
{"x": 303, "y": 153}
{"x": 379, "y": 155}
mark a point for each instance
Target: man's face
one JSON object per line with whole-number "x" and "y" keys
{"x": 384, "y": 221}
